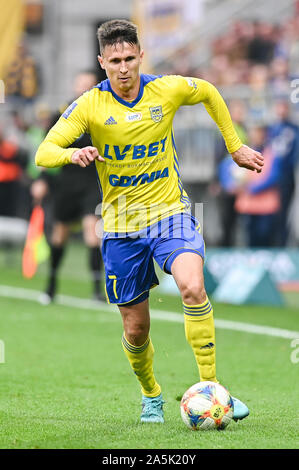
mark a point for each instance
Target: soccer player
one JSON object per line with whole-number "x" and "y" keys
{"x": 145, "y": 209}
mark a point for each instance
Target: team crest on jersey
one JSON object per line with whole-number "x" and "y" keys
{"x": 156, "y": 113}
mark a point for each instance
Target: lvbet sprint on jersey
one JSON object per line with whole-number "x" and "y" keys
{"x": 140, "y": 179}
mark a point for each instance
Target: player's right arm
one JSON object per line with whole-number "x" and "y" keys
{"x": 53, "y": 151}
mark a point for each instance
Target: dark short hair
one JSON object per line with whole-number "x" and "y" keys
{"x": 117, "y": 31}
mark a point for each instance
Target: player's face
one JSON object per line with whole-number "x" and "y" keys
{"x": 121, "y": 63}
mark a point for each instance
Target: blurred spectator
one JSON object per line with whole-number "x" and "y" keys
{"x": 284, "y": 136}
{"x": 16, "y": 127}
{"x": 279, "y": 78}
{"x": 21, "y": 80}
{"x": 12, "y": 163}
{"x": 228, "y": 175}
{"x": 288, "y": 43}
{"x": 35, "y": 132}
{"x": 259, "y": 200}
{"x": 27, "y": 130}
{"x": 257, "y": 103}
{"x": 261, "y": 46}
{"x": 258, "y": 78}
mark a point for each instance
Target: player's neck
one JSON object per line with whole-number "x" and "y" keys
{"x": 130, "y": 94}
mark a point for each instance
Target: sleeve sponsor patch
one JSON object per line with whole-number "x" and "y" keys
{"x": 68, "y": 111}
{"x": 191, "y": 82}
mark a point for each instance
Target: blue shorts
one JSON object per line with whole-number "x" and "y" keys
{"x": 128, "y": 258}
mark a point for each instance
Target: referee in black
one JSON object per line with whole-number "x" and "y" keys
{"x": 75, "y": 197}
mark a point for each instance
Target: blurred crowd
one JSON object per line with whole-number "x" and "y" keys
{"x": 20, "y": 136}
{"x": 22, "y": 81}
{"x": 255, "y": 53}
{"x": 260, "y": 202}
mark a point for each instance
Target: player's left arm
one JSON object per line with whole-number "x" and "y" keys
{"x": 249, "y": 158}
{"x": 195, "y": 90}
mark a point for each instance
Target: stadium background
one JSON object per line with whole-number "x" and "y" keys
{"x": 43, "y": 45}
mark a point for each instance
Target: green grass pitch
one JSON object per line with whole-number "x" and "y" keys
{"x": 66, "y": 384}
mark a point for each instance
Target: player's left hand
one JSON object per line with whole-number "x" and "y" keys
{"x": 248, "y": 158}
{"x": 85, "y": 156}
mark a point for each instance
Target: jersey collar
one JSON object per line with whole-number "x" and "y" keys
{"x": 129, "y": 104}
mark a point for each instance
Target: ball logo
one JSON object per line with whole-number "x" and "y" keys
{"x": 217, "y": 411}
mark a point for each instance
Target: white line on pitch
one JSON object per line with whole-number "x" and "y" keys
{"x": 165, "y": 315}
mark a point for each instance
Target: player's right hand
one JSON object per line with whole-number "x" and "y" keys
{"x": 85, "y": 156}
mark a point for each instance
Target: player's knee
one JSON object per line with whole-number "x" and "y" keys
{"x": 137, "y": 333}
{"x": 193, "y": 293}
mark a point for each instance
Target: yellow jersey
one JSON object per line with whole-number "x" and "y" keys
{"x": 140, "y": 178}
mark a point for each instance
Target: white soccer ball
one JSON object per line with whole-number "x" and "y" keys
{"x": 207, "y": 405}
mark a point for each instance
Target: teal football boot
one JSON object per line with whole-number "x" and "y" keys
{"x": 152, "y": 409}
{"x": 240, "y": 409}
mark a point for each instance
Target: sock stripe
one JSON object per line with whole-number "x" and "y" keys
{"x": 135, "y": 349}
{"x": 198, "y": 314}
{"x": 196, "y": 310}
{"x": 197, "y": 307}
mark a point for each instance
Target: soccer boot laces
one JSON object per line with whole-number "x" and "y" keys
{"x": 152, "y": 409}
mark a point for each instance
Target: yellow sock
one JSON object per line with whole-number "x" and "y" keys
{"x": 141, "y": 361}
{"x": 200, "y": 334}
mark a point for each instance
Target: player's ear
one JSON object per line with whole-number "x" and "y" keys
{"x": 101, "y": 61}
{"x": 141, "y": 55}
